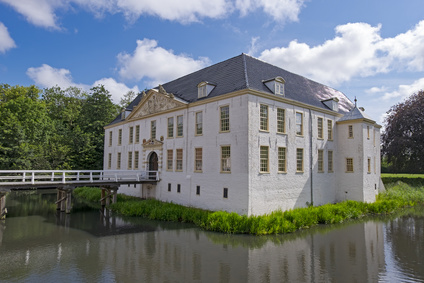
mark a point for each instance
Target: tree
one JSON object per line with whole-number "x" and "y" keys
{"x": 403, "y": 138}
{"x": 25, "y": 128}
{"x": 97, "y": 111}
{"x": 127, "y": 99}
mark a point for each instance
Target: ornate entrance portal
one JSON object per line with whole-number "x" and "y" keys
{"x": 153, "y": 165}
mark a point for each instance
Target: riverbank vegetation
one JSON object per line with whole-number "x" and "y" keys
{"x": 398, "y": 195}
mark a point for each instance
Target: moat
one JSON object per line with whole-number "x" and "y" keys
{"x": 38, "y": 244}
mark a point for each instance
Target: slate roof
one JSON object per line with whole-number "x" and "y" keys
{"x": 354, "y": 114}
{"x": 246, "y": 72}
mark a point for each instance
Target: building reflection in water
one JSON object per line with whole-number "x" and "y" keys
{"x": 86, "y": 246}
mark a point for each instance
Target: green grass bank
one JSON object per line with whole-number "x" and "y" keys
{"x": 400, "y": 192}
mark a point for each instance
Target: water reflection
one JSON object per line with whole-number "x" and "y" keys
{"x": 86, "y": 246}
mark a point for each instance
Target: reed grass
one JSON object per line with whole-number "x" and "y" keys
{"x": 397, "y": 195}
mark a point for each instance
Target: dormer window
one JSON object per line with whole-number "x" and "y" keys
{"x": 276, "y": 85}
{"x": 204, "y": 88}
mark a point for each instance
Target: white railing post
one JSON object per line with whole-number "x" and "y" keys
{"x": 78, "y": 176}
{"x": 23, "y": 177}
{"x": 63, "y": 177}
{"x": 91, "y": 176}
{"x": 53, "y": 176}
{"x": 32, "y": 178}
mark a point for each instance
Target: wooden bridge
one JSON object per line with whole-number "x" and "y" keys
{"x": 67, "y": 180}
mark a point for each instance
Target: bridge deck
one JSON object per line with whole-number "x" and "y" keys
{"x": 15, "y": 179}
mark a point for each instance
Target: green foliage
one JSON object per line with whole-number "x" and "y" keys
{"x": 398, "y": 195}
{"x": 25, "y": 128}
{"x": 54, "y": 128}
{"x": 403, "y": 138}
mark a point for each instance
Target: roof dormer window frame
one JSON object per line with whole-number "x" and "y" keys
{"x": 204, "y": 89}
{"x": 276, "y": 85}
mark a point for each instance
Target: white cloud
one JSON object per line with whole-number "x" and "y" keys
{"x": 182, "y": 11}
{"x": 37, "y": 12}
{"x": 47, "y": 76}
{"x": 6, "y": 42}
{"x": 43, "y": 12}
{"x": 405, "y": 91}
{"x": 357, "y": 50}
{"x": 156, "y": 64}
{"x": 117, "y": 90}
{"x": 351, "y": 53}
{"x": 279, "y": 10}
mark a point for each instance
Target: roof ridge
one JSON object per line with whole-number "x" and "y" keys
{"x": 246, "y": 78}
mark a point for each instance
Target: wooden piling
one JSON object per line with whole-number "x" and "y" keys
{"x": 58, "y": 197}
{"x": 3, "y": 209}
{"x": 69, "y": 201}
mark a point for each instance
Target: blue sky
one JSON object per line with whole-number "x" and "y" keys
{"x": 371, "y": 49}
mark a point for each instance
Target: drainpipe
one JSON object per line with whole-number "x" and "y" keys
{"x": 311, "y": 156}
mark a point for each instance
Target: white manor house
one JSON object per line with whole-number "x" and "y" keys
{"x": 248, "y": 137}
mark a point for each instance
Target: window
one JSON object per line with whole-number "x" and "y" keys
{"x": 263, "y": 117}
{"x": 368, "y": 132}
{"x": 369, "y": 165}
{"x": 137, "y": 134}
{"x": 169, "y": 187}
{"x": 225, "y": 193}
{"x": 320, "y": 161}
{"x": 119, "y": 136}
{"x": 330, "y": 160}
{"x": 118, "y": 161}
{"x": 179, "y": 188}
{"x": 320, "y": 128}
{"x": 282, "y": 159}
{"x": 281, "y": 121}
{"x": 299, "y": 124}
{"x": 350, "y": 131}
{"x": 225, "y": 159}
{"x": 263, "y": 164}
{"x": 299, "y": 160}
{"x": 170, "y": 127}
{"x": 204, "y": 88}
{"x": 199, "y": 123}
{"x": 373, "y": 136}
{"x": 201, "y": 90}
{"x": 136, "y": 157}
{"x": 198, "y": 190}
{"x": 129, "y": 160}
{"x": 279, "y": 88}
{"x": 198, "y": 159}
{"x": 131, "y": 135}
{"x": 349, "y": 165}
{"x": 109, "y": 161}
{"x": 110, "y": 138}
{"x": 153, "y": 129}
{"x": 225, "y": 119}
{"x": 330, "y": 129}
{"x": 179, "y": 126}
{"x": 375, "y": 162}
{"x": 179, "y": 160}
{"x": 170, "y": 159}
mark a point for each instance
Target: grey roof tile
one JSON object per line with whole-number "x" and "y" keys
{"x": 246, "y": 72}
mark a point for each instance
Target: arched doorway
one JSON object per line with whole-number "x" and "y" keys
{"x": 153, "y": 165}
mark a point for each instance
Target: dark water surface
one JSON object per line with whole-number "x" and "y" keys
{"x": 37, "y": 244}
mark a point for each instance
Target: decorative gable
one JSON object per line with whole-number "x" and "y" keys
{"x": 155, "y": 102}
{"x": 152, "y": 144}
{"x": 276, "y": 85}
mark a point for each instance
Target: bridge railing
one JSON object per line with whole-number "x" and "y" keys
{"x": 33, "y": 177}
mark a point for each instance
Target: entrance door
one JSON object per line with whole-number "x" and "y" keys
{"x": 153, "y": 165}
